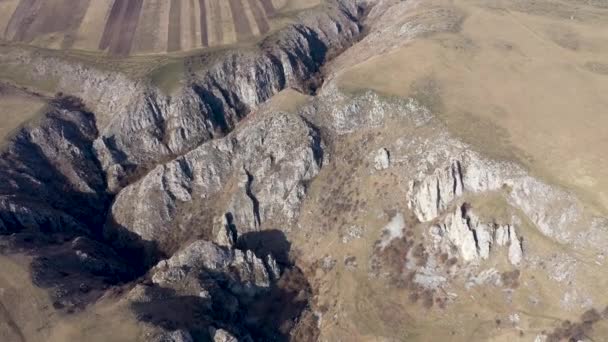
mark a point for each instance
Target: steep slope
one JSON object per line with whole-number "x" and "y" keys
{"x": 202, "y": 206}
{"x": 60, "y": 171}
{"x": 142, "y": 125}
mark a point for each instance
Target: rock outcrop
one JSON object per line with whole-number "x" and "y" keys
{"x": 221, "y": 335}
{"x": 47, "y": 167}
{"x": 461, "y": 172}
{"x": 218, "y": 293}
{"x": 255, "y": 175}
{"x": 142, "y": 125}
{"x": 241, "y": 271}
{"x": 344, "y": 114}
{"x": 473, "y": 238}
{"x": 382, "y": 159}
{"x": 172, "y": 336}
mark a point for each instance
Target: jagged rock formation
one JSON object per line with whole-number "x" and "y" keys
{"x": 221, "y": 335}
{"x": 382, "y": 159}
{"x": 473, "y": 238}
{"x": 47, "y": 167}
{"x": 141, "y": 125}
{"x": 466, "y": 172}
{"x": 179, "y": 172}
{"x": 251, "y": 179}
{"x": 53, "y": 204}
{"x": 78, "y": 271}
{"x": 219, "y": 293}
{"x": 255, "y": 175}
{"x": 249, "y": 274}
{"x": 172, "y": 336}
{"x": 344, "y": 114}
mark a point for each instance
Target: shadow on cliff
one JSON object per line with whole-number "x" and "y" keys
{"x": 49, "y": 216}
{"x": 77, "y": 268}
{"x": 269, "y": 315}
{"x": 265, "y": 242}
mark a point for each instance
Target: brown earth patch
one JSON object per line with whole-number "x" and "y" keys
{"x": 112, "y": 25}
{"x": 268, "y": 7}
{"x": 204, "y": 31}
{"x": 218, "y": 32}
{"x": 151, "y": 35}
{"x": 120, "y": 27}
{"x": 241, "y": 23}
{"x": 193, "y": 24}
{"x": 597, "y": 67}
{"x": 174, "y": 39}
{"x": 33, "y": 18}
{"x": 260, "y": 19}
{"x": 22, "y": 19}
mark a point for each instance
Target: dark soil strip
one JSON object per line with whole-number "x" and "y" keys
{"x": 193, "y": 40}
{"x": 22, "y": 19}
{"x": 175, "y": 21}
{"x": 219, "y": 30}
{"x": 120, "y": 27}
{"x": 268, "y": 7}
{"x": 128, "y": 27}
{"x": 260, "y": 18}
{"x": 241, "y": 23}
{"x": 150, "y": 17}
{"x": 113, "y": 23}
{"x": 204, "y": 30}
{"x": 33, "y": 18}
{"x": 71, "y": 14}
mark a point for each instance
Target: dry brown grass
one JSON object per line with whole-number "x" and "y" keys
{"x": 16, "y": 109}
{"x": 521, "y": 80}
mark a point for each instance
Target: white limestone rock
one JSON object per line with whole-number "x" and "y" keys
{"x": 473, "y": 238}
{"x": 261, "y": 170}
{"x": 251, "y": 274}
{"x": 221, "y": 335}
{"x": 393, "y": 230}
{"x": 433, "y": 194}
{"x": 173, "y": 336}
{"x": 515, "y": 249}
{"x": 457, "y": 171}
{"x": 382, "y": 159}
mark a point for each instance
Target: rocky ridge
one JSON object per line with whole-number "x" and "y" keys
{"x": 201, "y": 191}
{"x": 448, "y": 186}
{"x": 141, "y": 125}
{"x": 84, "y": 155}
{"x": 253, "y": 176}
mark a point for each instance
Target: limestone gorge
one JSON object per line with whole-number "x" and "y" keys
{"x": 361, "y": 170}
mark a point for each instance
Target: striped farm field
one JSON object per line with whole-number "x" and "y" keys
{"x": 132, "y": 27}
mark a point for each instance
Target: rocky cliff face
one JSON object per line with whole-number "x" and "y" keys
{"x": 186, "y": 173}
{"x": 254, "y": 176}
{"x": 473, "y": 238}
{"x": 466, "y": 172}
{"x": 53, "y": 204}
{"x": 48, "y": 166}
{"x": 184, "y": 200}
{"x": 141, "y": 125}
{"x": 222, "y": 293}
{"x": 214, "y": 99}
{"x": 471, "y": 221}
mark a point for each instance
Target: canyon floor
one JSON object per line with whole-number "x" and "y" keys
{"x": 335, "y": 170}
